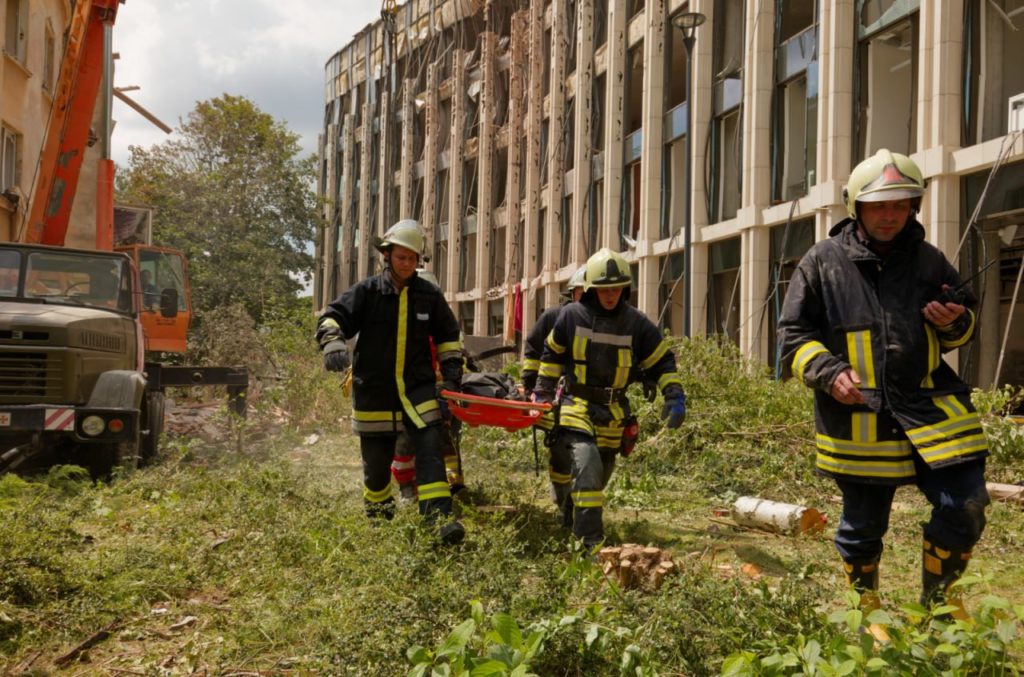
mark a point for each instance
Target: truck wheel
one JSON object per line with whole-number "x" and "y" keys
{"x": 107, "y": 457}
{"x": 154, "y": 427}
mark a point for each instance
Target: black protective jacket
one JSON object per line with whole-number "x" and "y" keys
{"x": 849, "y": 308}
{"x": 534, "y": 346}
{"x": 600, "y": 352}
{"x": 392, "y": 367}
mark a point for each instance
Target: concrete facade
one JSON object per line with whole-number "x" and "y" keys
{"x": 524, "y": 135}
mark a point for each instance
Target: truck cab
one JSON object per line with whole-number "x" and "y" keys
{"x": 72, "y": 376}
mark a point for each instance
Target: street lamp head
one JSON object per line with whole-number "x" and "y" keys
{"x": 687, "y": 22}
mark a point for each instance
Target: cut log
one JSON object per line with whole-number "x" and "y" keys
{"x": 1005, "y": 492}
{"x": 780, "y": 518}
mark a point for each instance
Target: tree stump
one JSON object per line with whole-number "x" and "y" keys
{"x": 635, "y": 566}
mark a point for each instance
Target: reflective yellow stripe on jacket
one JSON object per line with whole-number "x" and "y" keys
{"x": 960, "y": 340}
{"x": 866, "y": 457}
{"x": 959, "y": 434}
{"x": 804, "y": 355}
{"x": 376, "y": 421}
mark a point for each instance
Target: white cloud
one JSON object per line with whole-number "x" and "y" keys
{"x": 181, "y": 52}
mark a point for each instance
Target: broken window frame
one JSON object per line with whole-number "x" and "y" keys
{"x": 902, "y": 15}
{"x": 671, "y": 305}
{"x": 565, "y": 231}
{"x": 467, "y": 313}
{"x": 796, "y": 62}
{"x": 496, "y": 317}
{"x": 788, "y": 244}
{"x": 600, "y": 23}
{"x": 724, "y": 265}
{"x": 727, "y": 97}
{"x": 985, "y": 117}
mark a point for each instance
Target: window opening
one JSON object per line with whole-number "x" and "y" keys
{"x": 885, "y": 90}
{"x": 726, "y": 177}
{"x": 723, "y": 289}
{"x": 795, "y": 106}
{"x": 992, "y": 81}
{"x": 789, "y": 242}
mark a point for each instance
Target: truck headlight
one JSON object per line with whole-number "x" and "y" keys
{"x": 93, "y": 425}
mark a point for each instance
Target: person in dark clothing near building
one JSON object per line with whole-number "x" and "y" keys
{"x": 865, "y": 325}
{"x": 397, "y": 317}
{"x": 558, "y": 466}
{"x": 597, "y": 345}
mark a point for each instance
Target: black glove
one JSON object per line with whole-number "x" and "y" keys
{"x": 650, "y": 390}
{"x": 529, "y": 381}
{"x": 542, "y": 396}
{"x": 674, "y": 410}
{"x": 453, "y": 386}
{"x": 336, "y": 356}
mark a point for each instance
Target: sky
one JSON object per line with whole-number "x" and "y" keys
{"x": 180, "y": 52}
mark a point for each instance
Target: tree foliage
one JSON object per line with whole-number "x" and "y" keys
{"x": 233, "y": 194}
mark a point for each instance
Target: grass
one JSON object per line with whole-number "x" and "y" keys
{"x": 255, "y": 557}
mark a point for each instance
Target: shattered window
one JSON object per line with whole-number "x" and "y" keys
{"x": 724, "y": 289}
{"x": 993, "y": 81}
{"x": 795, "y": 111}
{"x": 670, "y": 293}
{"x": 885, "y": 85}
{"x": 789, "y": 242}
{"x": 633, "y": 106}
{"x": 597, "y": 121}
{"x": 726, "y": 186}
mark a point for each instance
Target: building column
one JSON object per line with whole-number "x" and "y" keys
{"x": 457, "y": 152}
{"x": 485, "y": 160}
{"x": 583, "y": 159}
{"x": 551, "y": 258}
{"x": 430, "y": 164}
{"x": 755, "y": 243}
{"x": 326, "y": 259}
{"x": 534, "y": 122}
{"x": 405, "y": 203}
{"x": 614, "y": 101}
{"x": 384, "y": 177}
{"x": 837, "y": 29}
{"x": 518, "y": 76}
{"x": 364, "y": 191}
{"x": 653, "y": 147}
{"x": 702, "y": 94}
{"x": 346, "y": 220}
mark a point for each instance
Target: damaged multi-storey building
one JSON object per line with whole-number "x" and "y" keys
{"x": 525, "y": 134}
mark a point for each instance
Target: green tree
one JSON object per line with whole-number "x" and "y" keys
{"x": 233, "y": 194}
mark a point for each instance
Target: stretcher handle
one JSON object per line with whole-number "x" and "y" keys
{"x": 495, "y": 402}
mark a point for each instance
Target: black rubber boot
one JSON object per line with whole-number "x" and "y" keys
{"x": 452, "y": 533}
{"x": 383, "y": 510}
{"x": 863, "y": 577}
{"x": 940, "y": 569}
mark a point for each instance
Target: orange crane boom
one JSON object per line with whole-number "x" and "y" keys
{"x": 67, "y": 133}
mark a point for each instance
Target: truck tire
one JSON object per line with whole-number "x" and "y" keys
{"x": 106, "y": 458}
{"x": 153, "y": 421}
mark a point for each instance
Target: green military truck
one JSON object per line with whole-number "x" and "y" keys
{"x": 73, "y": 379}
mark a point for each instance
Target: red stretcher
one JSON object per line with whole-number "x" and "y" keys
{"x": 477, "y": 410}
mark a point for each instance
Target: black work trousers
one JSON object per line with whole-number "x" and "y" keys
{"x": 435, "y": 499}
{"x": 958, "y": 497}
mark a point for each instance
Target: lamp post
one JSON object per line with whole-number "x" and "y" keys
{"x": 687, "y": 22}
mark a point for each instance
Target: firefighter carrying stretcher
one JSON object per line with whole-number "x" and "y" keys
{"x": 597, "y": 346}
{"x": 397, "y": 316}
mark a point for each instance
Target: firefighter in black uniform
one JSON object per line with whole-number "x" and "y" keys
{"x": 558, "y": 467}
{"x": 597, "y": 346}
{"x": 396, "y": 316}
{"x": 865, "y": 324}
